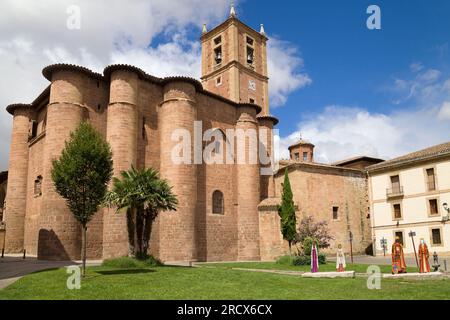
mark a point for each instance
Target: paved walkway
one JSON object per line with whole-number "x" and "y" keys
{"x": 13, "y": 267}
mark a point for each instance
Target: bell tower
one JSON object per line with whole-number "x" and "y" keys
{"x": 234, "y": 62}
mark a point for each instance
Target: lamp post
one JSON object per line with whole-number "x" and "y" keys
{"x": 384, "y": 245}
{"x": 412, "y": 235}
{"x": 350, "y": 236}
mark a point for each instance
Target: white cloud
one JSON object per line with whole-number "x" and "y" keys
{"x": 444, "y": 112}
{"x": 34, "y": 34}
{"x": 286, "y": 76}
{"x": 341, "y": 132}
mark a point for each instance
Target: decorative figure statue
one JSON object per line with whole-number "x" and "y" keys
{"x": 340, "y": 259}
{"x": 398, "y": 258}
{"x": 424, "y": 265}
{"x": 314, "y": 259}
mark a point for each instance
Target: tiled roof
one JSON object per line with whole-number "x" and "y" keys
{"x": 354, "y": 159}
{"x": 424, "y": 154}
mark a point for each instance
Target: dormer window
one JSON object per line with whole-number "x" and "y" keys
{"x": 218, "y": 55}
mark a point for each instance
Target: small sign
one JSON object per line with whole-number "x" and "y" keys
{"x": 412, "y": 234}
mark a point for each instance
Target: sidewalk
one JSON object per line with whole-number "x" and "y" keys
{"x": 13, "y": 267}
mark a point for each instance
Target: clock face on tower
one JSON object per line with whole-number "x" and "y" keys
{"x": 252, "y": 85}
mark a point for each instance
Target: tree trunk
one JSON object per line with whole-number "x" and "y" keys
{"x": 83, "y": 249}
{"x": 149, "y": 217}
{"x": 131, "y": 233}
{"x": 139, "y": 232}
{"x": 290, "y": 248}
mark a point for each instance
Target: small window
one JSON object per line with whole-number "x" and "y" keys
{"x": 305, "y": 156}
{"x": 218, "y": 40}
{"x": 218, "y": 55}
{"x": 399, "y": 234}
{"x": 144, "y": 133}
{"x": 249, "y": 41}
{"x": 397, "y": 211}
{"x": 335, "y": 213}
{"x": 33, "y": 129}
{"x": 218, "y": 81}
{"x": 297, "y": 156}
{"x": 436, "y": 236}
{"x": 38, "y": 186}
{"x": 99, "y": 107}
{"x": 252, "y": 101}
{"x": 431, "y": 181}
{"x": 217, "y": 200}
{"x": 434, "y": 210}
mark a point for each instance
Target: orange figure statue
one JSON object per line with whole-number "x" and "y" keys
{"x": 398, "y": 258}
{"x": 424, "y": 265}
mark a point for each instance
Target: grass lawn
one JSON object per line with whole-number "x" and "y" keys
{"x": 214, "y": 282}
{"x": 358, "y": 268}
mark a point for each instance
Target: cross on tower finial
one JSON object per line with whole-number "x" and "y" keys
{"x": 232, "y": 10}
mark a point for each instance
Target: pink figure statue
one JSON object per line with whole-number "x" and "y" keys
{"x": 314, "y": 259}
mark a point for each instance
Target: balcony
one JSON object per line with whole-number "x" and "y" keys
{"x": 394, "y": 192}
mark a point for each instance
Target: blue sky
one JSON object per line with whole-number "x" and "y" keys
{"x": 349, "y": 64}
{"x": 349, "y": 90}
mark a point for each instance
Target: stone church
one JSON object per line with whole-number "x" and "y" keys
{"x": 226, "y": 212}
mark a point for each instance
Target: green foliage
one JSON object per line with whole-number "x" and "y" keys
{"x": 83, "y": 171}
{"x": 132, "y": 263}
{"x": 307, "y": 245}
{"x": 81, "y": 175}
{"x": 300, "y": 260}
{"x": 287, "y": 212}
{"x": 142, "y": 195}
{"x": 305, "y": 260}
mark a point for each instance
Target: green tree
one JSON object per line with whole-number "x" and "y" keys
{"x": 287, "y": 213}
{"x": 81, "y": 176}
{"x": 142, "y": 194}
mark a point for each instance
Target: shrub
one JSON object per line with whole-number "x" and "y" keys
{"x": 300, "y": 260}
{"x": 304, "y": 260}
{"x": 132, "y": 263}
{"x": 307, "y": 244}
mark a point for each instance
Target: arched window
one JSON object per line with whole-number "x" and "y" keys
{"x": 217, "y": 202}
{"x": 38, "y": 186}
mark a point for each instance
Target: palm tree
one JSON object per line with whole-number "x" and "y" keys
{"x": 142, "y": 194}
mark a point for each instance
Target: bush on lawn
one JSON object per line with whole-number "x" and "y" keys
{"x": 132, "y": 263}
{"x": 301, "y": 260}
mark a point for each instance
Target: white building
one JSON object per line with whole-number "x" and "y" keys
{"x": 411, "y": 193}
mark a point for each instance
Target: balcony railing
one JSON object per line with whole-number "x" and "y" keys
{"x": 394, "y": 192}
